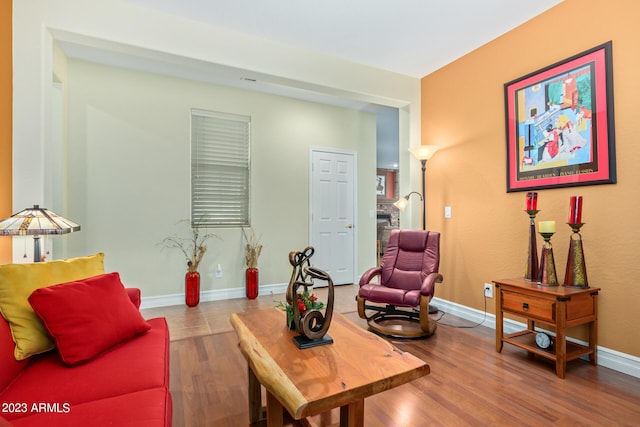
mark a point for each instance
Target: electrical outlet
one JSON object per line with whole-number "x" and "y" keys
{"x": 219, "y": 271}
{"x": 488, "y": 290}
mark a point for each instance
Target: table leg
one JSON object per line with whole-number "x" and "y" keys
{"x": 275, "y": 411}
{"x": 561, "y": 338}
{"x": 352, "y": 415}
{"x": 593, "y": 333}
{"x": 531, "y": 326}
{"x": 255, "y": 398}
{"x": 499, "y": 315}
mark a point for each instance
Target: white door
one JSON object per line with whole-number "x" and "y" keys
{"x": 332, "y": 229}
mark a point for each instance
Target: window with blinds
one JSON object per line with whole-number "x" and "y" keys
{"x": 220, "y": 173}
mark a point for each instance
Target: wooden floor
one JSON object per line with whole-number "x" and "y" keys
{"x": 469, "y": 385}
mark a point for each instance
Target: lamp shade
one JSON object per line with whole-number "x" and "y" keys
{"x": 401, "y": 203}
{"x": 36, "y": 221}
{"x": 424, "y": 152}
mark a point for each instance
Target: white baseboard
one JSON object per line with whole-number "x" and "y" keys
{"x": 213, "y": 295}
{"x": 607, "y": 357}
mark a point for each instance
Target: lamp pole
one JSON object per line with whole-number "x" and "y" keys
{"x": 424, "y": 153}
{"x": 424, "y": 199}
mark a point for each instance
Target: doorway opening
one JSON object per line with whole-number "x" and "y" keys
{"x": 387, "y": 174}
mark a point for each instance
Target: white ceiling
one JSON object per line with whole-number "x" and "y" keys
{"x": 410, "y": 37}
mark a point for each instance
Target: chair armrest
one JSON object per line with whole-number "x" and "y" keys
{"x": 369, "y": 275}
{"x": 134, "y": 296}
{"x": 429, "y": 283}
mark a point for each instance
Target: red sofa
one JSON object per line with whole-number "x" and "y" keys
{"x": 125, "y": 385}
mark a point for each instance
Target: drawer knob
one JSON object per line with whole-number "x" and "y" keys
{"x": 525, "y": 306}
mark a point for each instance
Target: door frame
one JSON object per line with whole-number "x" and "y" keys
{"x": 356, "y": 224}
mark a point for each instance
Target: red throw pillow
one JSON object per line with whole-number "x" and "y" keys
{"x": 87, "y": 317}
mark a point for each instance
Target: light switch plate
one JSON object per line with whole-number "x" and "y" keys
{"x": 447, "y": 211}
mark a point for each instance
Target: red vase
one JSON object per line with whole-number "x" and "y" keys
{"x": 252, "y": 283}
{"x": 192, "y": 288}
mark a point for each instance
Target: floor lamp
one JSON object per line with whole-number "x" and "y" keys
{"x": 36, "y": 221}
{"x": 424, "y": 153}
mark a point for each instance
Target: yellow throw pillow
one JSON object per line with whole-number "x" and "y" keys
{"x": 18, "y": 281}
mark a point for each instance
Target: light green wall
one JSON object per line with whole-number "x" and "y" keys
{"x": 119, "y": 27}
{"x": 129, "y": 171}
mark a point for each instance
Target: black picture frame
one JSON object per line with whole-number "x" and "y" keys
{"x": 560, "y": 124}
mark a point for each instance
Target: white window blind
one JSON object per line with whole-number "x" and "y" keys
{"x": 220, "y": 173}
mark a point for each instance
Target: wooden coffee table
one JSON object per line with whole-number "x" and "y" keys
{"x": 315, "y": 380}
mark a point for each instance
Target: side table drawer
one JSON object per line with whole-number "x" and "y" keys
{"x": 540, "y": 308}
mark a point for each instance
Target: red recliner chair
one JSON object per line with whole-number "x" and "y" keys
{"x": 399, "y": 300}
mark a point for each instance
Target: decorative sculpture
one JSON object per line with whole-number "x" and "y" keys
{"x": 531, "y": 272}
{"x": 547, "y": 275}
{"x": 576, "y": 272}
{"x": 532, "y": 269}
{"x": 312, "y": 324}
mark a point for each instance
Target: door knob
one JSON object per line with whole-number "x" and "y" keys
{"x": 349, "y": 225}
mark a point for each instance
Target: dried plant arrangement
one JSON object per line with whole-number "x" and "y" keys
{"x": 253, "y": 248}
{"x": 193, "y": 247}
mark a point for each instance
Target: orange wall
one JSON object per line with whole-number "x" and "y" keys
{"x": 463, "y": 110}
{"x": 6, "y": 92}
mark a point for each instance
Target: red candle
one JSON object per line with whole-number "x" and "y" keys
{"x": 572, "y": 209}
{"x": 532, "y": 201}
{"x": 575, "y": 210}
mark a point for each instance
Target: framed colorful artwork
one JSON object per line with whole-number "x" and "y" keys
{"x": 560, "y": 125}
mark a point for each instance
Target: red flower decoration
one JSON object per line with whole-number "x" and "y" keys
{"x": 305, "y": 302}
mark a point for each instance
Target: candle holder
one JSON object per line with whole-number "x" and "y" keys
{"x": 531, "y": 270}
{"x": 576, "y": 272}
{"x": 547, "y": 274}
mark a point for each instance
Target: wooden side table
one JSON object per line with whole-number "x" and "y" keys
{"x": 560, "y": 307}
